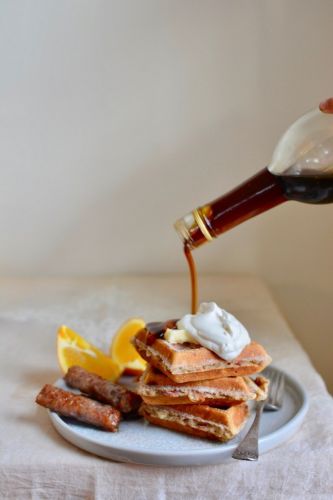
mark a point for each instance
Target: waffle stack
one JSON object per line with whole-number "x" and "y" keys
{"x": 188, "y": 388}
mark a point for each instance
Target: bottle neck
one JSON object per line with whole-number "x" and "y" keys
{"x": 258, "y": 194}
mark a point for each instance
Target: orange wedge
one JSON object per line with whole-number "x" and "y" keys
{"x": 75, "y": 350}
{"x": 123, "y": 352}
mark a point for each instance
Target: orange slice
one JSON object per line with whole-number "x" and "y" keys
{"x": 75, "y": 350}
{"x": 123, "y": 352}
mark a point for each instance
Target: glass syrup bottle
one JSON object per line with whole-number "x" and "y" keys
{"x": 301, "y": 169}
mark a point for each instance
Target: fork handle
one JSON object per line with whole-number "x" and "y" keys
{"x": 248, "y": 447}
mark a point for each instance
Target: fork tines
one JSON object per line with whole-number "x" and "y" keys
{"x": 276, "y": 389}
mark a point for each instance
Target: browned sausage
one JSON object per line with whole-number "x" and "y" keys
{"x": 84, "y": 409}
{"x": 103, "y": 390}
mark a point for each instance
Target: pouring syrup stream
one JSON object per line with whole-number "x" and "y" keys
{"x": 193, "y": 278}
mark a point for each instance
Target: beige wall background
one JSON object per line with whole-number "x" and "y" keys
{"x": 117, "y": 117}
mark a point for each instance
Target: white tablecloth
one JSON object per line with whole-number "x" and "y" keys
{"x": 35, "y": 462}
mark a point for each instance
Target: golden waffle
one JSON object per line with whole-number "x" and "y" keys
{"x": 199, "y": 420}
{"x": 155, "y": 388}
{"x": 192, "y": 362}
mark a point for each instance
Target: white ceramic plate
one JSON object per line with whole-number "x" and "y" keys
{"x": 142, "y": 443}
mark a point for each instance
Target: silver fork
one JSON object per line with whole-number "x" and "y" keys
{"x": 248, "y": 448}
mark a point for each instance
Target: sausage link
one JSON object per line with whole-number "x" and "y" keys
{"x": 103, "y": 390}
{"x": 79, "y": 407}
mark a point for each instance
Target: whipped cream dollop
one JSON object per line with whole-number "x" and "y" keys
{"x": 216, "y": 329}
